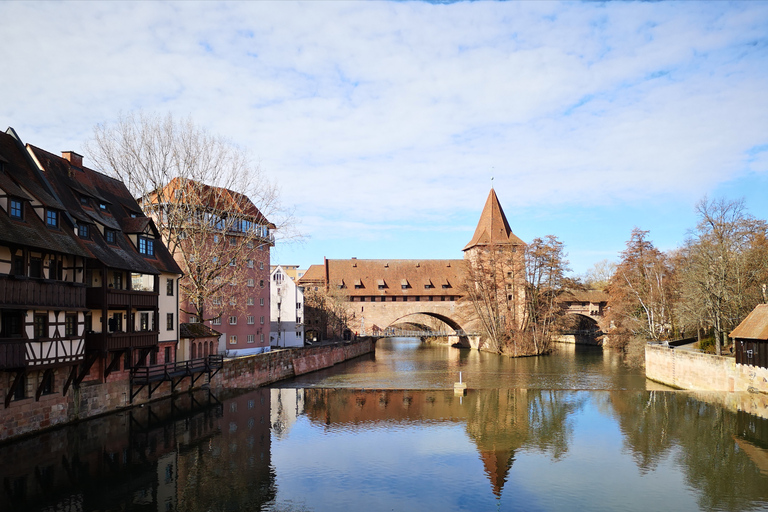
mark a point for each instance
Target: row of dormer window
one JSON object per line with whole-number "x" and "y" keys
{"x": 146, "y": 245}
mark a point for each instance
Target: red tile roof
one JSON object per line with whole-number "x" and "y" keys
{"x": 387, "y": 277}
{"x": 493, "y": 228}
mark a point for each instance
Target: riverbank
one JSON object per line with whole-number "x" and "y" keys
{"x": 32, "y": 416}
{"x": 685, "y": 369}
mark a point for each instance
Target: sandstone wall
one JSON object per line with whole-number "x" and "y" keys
{"x": 686, "y": 369}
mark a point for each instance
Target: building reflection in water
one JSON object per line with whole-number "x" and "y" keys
{"x": 187, "y": 453}
{"x": 200, "y": 452}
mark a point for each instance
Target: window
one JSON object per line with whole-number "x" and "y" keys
{"x": 232, "y": 240}
{"x": 250, "y": 282}
{"x": 52, "y": 218}
{"x": 169, "y": 321}
{"x": 146, "y": 246}
{"x": 217, "y": 301}
{"x": 249, "y": 244}
{"x": 84, "y": 200}
{"x": 16, "y": 210}
{"x": 169, "y": 287}
{"x": 250, "y": 320}
{"x": 144, "y": 321}
{"x": 117, "y": 280}
{"x": 46, "y": 386}
{"x": 215, "y": 239}
{"x": 215, "y": 259}
{"x": 35, "y": 267}
{"x": 193, "y": 319}
{"x": 261, "y": 301}
{"x": 41, "y": 326}
{"x": 216, "y": 321}
{"x": 251, "y": 338}
{"x": 83, "y": 231}
{"x": 250, "y": 301}
{"x": 261, "y": 320}
{"x": 102, "y": 206}
{"x": 110, "y": 236}
{"x": 232, "y": 320}
{"x": 298, "y": 305}
{"x": 250, "y": 263}
{"x": 70, "y": 325}
{"x": 233, "y": 340}
{"x": 232, "y": 262}
{"x": 21, "y": 388}
{"x": 261, "y": 265}
{"x": 261, "y": 338}
{"x": 261, "y": 283}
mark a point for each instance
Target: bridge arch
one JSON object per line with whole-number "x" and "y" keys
{"x": 585, "y": 329}
{"x": 463, "y": 338}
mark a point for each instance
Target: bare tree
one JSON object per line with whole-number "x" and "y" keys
{"x": 514, "y": 299}
{"x": 327, "y": 308}
{"x": 724, "y": 264}
{"x": 493, "y": 279}
{"x": 641, "y": 293}
{"x": 598, "y": 277}
{"x": 545, "y": 266}
{"x": 208, "y": 199}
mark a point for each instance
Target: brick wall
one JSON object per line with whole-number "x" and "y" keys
{"x": 702, "y": 372}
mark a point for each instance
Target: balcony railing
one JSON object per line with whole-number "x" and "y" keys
{"x": 40, "y": 353}
{"x": 109, "y": 341}
{"x": 40, "y": 293}
{"x": 120, "y": 298}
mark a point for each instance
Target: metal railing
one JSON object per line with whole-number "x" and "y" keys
{"x": 402, "y": 333}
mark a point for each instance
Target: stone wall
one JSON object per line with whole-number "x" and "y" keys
{"x": 95, "y": 398}
{"x": 686, "y": 369}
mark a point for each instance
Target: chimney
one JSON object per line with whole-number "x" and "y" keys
{"x": 73, "y": 158}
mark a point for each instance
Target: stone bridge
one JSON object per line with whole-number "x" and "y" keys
{"x": 380, "y": 293}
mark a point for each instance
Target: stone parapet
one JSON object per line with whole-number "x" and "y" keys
{"x": 685, "y": 369}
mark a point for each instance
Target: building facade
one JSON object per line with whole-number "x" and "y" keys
{"x": 286, "y": 309}
{"x": 89, "y": 291}
{"x": 222, "y": 243}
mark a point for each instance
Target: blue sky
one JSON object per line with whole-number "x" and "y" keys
{"x": 384, "y": 122}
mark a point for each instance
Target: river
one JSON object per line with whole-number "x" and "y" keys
{"x": 577, "y": 430}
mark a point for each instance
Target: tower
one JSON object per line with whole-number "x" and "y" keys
{"x": 497, "y": 256}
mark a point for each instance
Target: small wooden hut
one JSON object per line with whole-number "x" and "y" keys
{"x": 750, "y": 338}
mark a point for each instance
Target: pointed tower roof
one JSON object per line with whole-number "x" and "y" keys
{"x": 493, "y": 228}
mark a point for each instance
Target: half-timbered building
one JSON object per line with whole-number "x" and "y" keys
{"x": 88, "y": 292}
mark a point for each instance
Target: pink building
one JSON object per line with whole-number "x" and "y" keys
{"x": 222, "y": 243}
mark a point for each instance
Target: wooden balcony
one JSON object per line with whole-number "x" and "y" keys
{"x": 26, "y": 293}
{"x": 12, "y": 353}
{"x": 41, "y": 353}
{"x": 120, "y": 299}
{"x": 114, "y": 341}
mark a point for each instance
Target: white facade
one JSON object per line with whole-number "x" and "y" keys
{"x": 286, "y": 310}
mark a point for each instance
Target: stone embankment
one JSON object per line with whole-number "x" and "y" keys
{"x": 263, "y": 369}
{"x": 96, "y": 398}
{"x": 746, "y": 385}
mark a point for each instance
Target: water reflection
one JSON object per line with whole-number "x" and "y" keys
{"x": 409, "y": 364}
{"x": 175, "y": 454}
{"x": 405, "y": 449}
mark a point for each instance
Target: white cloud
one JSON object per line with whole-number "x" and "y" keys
{"x": 389, "y": 113}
